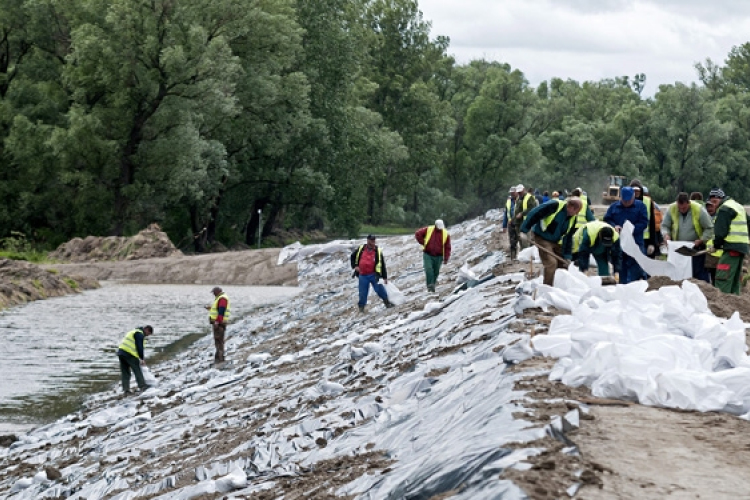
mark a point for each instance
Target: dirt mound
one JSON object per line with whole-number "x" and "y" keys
{"x": 721, "y": 304}
{"x": 149, "y": 243}
{"x": 22, "y": 282}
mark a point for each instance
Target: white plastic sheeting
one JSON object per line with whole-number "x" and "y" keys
{"x": 676, "y": 267}
{"x": 660, "y": 348}
{"x": 315, "y": 370}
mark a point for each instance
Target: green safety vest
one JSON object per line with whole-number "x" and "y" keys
{"x": 128, "y": 343}
{"x": 428, "y": 235}
{"x": 592, "y": 228}
{"x": 378, "y": 260}
{"x": 738, "y": 227}
{"x": 214, "y": 312}
{"x": 695, "y": 210}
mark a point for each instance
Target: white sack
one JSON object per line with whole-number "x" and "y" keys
{"x": 149, "y": 377}
{"x": 395, "y": 296}
{"x": 465, "y": 274}
{"x": 529, "y": 253}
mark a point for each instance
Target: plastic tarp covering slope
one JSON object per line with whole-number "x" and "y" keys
{"x": 424, "y": 383}
{"x": 660, "y": 348}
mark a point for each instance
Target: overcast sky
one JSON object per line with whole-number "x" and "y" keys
{"x": 593, "y": 39}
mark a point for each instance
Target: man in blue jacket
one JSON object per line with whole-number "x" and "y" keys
{"x": 553, "y": 222}
{"x": 633, "y": 210}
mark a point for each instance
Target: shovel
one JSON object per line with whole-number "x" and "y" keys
{"x": 691, "y": 252}
{"x": 564, "y": 262}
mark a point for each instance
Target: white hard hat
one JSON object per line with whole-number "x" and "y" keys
{"x": 519, "y": 187}
{"x": 512, "y": 189}
{"x": 439, "y": 224}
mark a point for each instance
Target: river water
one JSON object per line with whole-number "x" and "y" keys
{"x": 60, "y": 350}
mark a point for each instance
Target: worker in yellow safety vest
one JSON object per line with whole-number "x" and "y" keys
{"x": 652, "y": 236}
{"x": 730, "y": 235}
{"x": 436, "y": 250}
{"x": 712, "y": 258}
{"x": 600, "y": 240}
{"x": 130, "y": 352}
{"x": 688, "y": 220}
{"x": 218, "y": 316}
{"x": 368, "y": 263}
{"x": 525, "y": 203}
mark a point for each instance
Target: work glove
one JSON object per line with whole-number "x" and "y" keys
{"x": 650, "y": 250}
{"x": 355, "y": 274}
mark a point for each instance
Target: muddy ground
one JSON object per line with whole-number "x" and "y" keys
{"x": 628, "y": 450}
{"x": 22, "y": 282}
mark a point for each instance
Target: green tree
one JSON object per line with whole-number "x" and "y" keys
{"x": 685, "y": 141}
{"x": 147, "y": 78}
{"x": 501, "y": 124}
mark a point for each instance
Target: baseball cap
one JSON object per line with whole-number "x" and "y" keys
{"x": 607, "y": 236}
{"x": 716, "y": 193}
{"x": 627, "y": 193}
{"x": 512, "y": 189}
{"x": 371, "y": 237}
{"x": 519, "y": 188}
{"x": 439, "y": 224}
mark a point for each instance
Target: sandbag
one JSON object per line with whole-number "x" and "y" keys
{"x": 149, "y": 377}
{"x": 395, "y": 296}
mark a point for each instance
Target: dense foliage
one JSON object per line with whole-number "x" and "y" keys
{"x": 215, "y": 117}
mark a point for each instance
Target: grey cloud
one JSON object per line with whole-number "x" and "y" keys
{"x": 594, "y": 6}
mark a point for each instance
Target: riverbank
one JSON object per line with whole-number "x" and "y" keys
{"x": 440, "y": 397}
{"x": 22, "y": 282}
{"x": 240, "y": 268}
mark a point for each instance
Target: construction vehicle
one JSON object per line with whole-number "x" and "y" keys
{"x": 612, "y": 193}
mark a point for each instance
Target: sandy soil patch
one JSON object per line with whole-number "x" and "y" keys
{"x": 628, "y": 450}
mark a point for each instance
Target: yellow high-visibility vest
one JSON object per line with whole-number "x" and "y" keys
{"x": 128, "y": 343}
{"x": 695, "y": 211}
{"x": 592, "y": 228}
{"x": 581, "y": 217}
{"x": 213, "y": 313}
{"x": 428, "y": 235}
{"x": 647, "y": 231}
{"x": 378, "y": 259}
{"x": 738, "y": 227}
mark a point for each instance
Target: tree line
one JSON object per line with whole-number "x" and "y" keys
{"x": 212, "y": 117}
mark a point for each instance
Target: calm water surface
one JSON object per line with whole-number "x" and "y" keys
{"x": 58, "y": 351}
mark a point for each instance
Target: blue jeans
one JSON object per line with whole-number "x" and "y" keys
{"x": 630, "y": 270}
{"x": 364, "y": 288}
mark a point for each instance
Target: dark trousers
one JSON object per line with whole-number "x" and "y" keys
{"x": 513, "y": 240}
{"x": 219, "y": 331}
{"x": 129, "y": 362}
{"x": 432, "y": 265}
{"x": 630, "y": 270}
{"x": 699, "y": 268}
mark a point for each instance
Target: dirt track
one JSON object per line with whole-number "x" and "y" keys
{"x": 248, "y": 267}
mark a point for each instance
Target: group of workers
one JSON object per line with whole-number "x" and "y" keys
{"x": 563, "y": 230}
{"x": 566, "y": 230}
{"x": 131, "y": 350}
{"x": 368, "y": 262}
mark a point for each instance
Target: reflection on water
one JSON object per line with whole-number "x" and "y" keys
{"x": 57, "y": 351}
